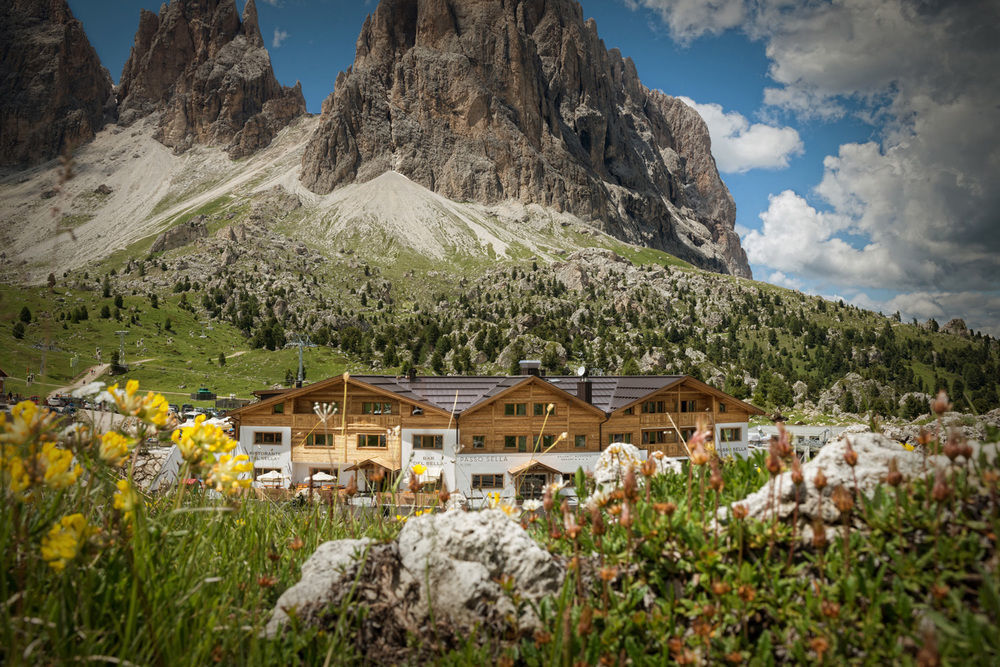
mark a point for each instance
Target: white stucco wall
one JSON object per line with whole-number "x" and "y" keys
{"x": 735, "y": 448}
{"x": 269, "y": 456}
{"x": 468, "y": 465}
{"x": 443, "y": 458}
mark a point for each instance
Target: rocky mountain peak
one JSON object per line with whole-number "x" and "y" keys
{"x": 251, "y": 26}
{"x": 487, "y": 101}
{"x": 54, "y": 94}
{"x": 209, "y": 74}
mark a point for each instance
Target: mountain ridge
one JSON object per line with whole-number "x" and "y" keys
{"x": 521, "y": 101}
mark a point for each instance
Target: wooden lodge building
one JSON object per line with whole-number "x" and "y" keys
{"x": 479, "y": 434}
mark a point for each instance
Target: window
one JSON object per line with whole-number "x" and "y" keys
{"x": 371, "y": 440}
{"x": 519, "y": 441}
{"x": 428, "y": 441}
{"x": 548, "y": 441}
{"x": 479, "y": 442}
{"x": 657, "y": 437}
{"x": 629, "y": 411}
{"x": 487, "y": 481}
{"x": 620, "y": 437}
{"x": 722, "y": 407}
{"x": 689, "y": 406}
{"x": 731, "y": 434}
{"x": 515, "y": 409}
{"x": 542, "y": 408}
{"x": 278, "y": 409}
{"x": 580, "y": 441}
{"x": 319, "y": 440}
{"x": 687, "y": 433}
{"x": 370, "y": 408}
{"x": 266, "y": 438}
{"x": 654, "y": 407}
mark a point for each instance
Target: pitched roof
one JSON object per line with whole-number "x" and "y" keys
{"x": 459, "y": 393}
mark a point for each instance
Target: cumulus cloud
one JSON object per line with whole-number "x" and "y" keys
{"x": 279, "y": 37}
{"x": 981, "y": 312}
{"x": 916, "y": 209}
{"x": 689, "y": 19}
{"x": 739, "y": 146}
{"x": 779, "y": 278}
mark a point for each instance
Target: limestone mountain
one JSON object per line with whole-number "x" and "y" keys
{"x": 490, "y": 101}
{"x": 210, "y": 74}
{"x": 54, "y": 93}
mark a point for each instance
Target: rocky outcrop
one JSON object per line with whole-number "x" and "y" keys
{"x": 181, "y": 235}
{"x": 54, "y": 93}
{"x": 210, "y": 75}
{"x": 445, "y": 574}
{"x": 486, "y": 101}
{"x": 956, "y": 327}
{"x": 874, "y": 452}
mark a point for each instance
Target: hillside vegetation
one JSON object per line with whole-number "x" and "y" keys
{"x": 647, "y": 313}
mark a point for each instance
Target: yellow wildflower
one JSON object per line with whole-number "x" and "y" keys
{"x": 226, "y": 471}
{"x": 400, "y": 518}
{"x": 13, "y": 475}
{"x": 419, "y": 469}
{"x": 509, "y": 510}
{"x": 60, "y": 472}
{"x": 115, "y": 448}
{"x": 196, "y": 442}
{"x": 64, "y": 540}
{"x": 126, "y": 499}
{"x": 151, "y": 408}
{"x": 27, "y": 420}
{"x": 908, "y": 447}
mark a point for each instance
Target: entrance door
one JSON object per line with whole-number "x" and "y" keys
{"x": 531, "y": 486}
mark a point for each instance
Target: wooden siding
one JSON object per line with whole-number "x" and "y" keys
{"x": 705, "y": 406}
{"x": 569, "y": 416}
{"x": 300, "y": 416}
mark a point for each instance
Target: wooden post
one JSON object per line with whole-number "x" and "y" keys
{"x": 679, "y": 435}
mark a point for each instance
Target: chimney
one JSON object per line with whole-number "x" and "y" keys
{"x": 530, "y": 366}
{"x": 585, "y": 390}
{"x": 411, "y": 374}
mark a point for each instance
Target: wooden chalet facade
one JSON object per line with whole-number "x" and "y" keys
{"x": 479, "y": 434}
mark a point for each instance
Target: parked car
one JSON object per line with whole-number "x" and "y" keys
{"x": 173, "y": 408}
{"x": 187, "y": 407}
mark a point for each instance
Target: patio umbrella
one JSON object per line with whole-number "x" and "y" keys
{"x": 322, "y": 477}
{"x": 274, "y": 475}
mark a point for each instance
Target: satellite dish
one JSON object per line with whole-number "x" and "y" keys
{"x": 581, "y": 371}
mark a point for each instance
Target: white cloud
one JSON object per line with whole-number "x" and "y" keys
{"x": 921, "y": 196}
{"x": 279, "y": 37}
{"x": 739, "y": 146}
{"x": 779, "y": 278}
{"x": 797, "y": 238}
{"x": 689, "y": 19}
{"x": 981, "y": 312}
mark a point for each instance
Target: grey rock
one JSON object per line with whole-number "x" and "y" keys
{"x": 875, "y": 451}
{"x": 210, "y": 75}
{"x": 486, "y": 101}
{"x": 54, "y": 93}
{"x": 443, "y": 571}
{"x": 181, "y": 235}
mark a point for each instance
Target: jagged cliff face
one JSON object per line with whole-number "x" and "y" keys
{"x": 209, "y": 73}
{"x": 54, "y": 94}
{"x": 489, "y": 101}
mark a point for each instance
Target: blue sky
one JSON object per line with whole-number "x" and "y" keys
{"x": 858, "y": 137}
